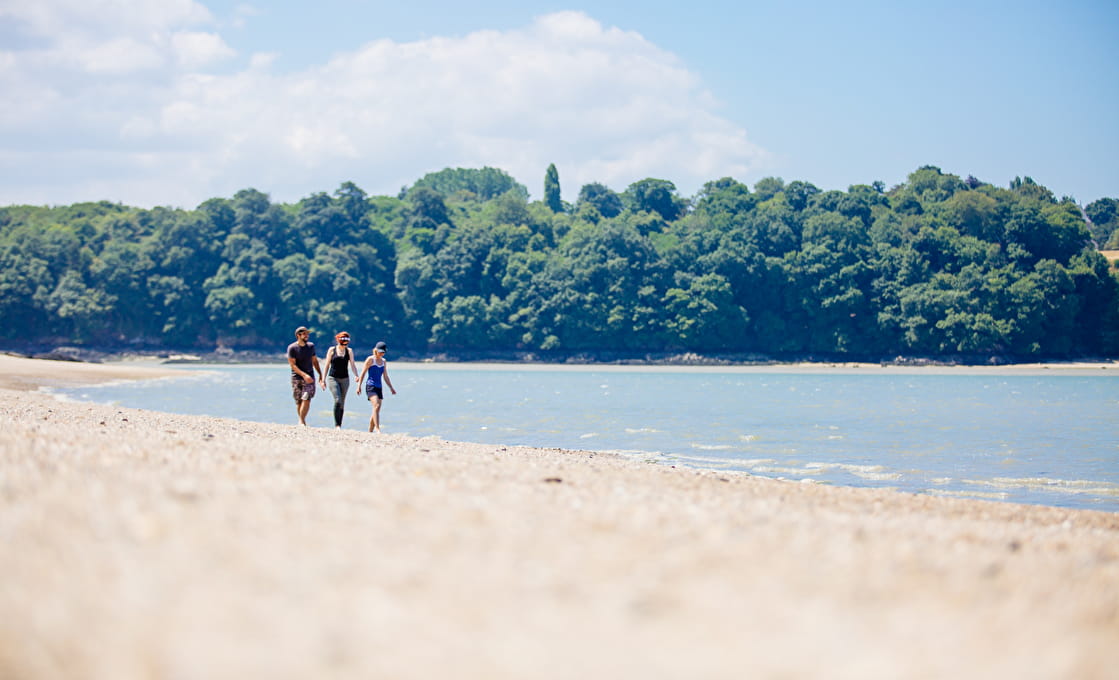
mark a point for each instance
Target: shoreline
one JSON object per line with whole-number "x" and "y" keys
{"x": 1066, "y": 492}
{"x": 682, "y": 360}
{"x": 135, "y": 544}
{"x": 21, "y": 371}
{"x": 26, "y": 374}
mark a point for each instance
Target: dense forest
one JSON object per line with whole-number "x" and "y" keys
{"x": 463, "y": 261}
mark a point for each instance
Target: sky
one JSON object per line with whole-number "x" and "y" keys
{"x": 173, "y": 102}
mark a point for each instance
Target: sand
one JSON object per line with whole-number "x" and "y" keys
{"x": 17, "y": 373}
{"x": 136, "y": 544}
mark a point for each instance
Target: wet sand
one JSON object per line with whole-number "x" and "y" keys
{"x": 136, "y": 544}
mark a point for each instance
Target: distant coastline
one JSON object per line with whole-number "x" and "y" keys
{"x": 585, "y": 357}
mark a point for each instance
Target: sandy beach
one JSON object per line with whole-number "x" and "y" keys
{"x": 138, "y": 544}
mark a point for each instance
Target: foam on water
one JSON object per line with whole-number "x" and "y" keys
{"x": 990, "y": 496}
{"x": 788, "y": 471}
{"x": 1077, "y": 486}
{"x": 721, "y": 462}
{"x": 874, "y": 472}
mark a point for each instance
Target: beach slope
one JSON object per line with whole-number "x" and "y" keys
{"x": 136, "y": 544}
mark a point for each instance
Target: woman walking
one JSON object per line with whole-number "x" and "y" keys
{"x": 339, "y": 360}
{"x": 378, "y": 370}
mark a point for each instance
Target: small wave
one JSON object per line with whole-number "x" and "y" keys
{"x": 642, "y": 430}
{"x": 710, "y": 462}
{"x": 872, "y": 472}
{"x": 790, "y": 471}
{"x": 750, "y": 462}
{"x": 63, "y": 397}
{"x": 1075, "y": 486}
{"x": 635, "y": 453}
{"x": 713, "y": 462}
{"x": 92, "y": 395}
{"x": 749, "y": 437}
{"x": 711, "y": 447}
{"x": 641, "y": 456}
{"x": 588, "y": 435}
{"x": 846, "y": 466}
{"x": 989, "y": 495}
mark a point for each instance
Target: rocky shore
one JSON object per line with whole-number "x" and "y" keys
{"x": 137, "y": 544}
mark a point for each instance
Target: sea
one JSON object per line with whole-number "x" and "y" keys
{"x": 1038, "y": 436}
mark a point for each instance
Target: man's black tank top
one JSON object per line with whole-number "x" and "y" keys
{"x": 339, "y": 365}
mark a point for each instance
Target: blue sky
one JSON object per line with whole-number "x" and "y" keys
{"x": 171, "y": 102}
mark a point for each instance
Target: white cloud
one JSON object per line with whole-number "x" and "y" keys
{"x": 105, "y": 36}
{"x": 119, "y": 57}
{"x": 106, "y": 17}
{"x": 153, "y": 127}
{"x": 242, "y": 13}
{"x": 194, "y": 49}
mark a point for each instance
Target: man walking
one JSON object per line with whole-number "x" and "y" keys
{"x": 304, "y": 364}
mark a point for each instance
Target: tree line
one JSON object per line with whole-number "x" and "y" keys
{"x": 462, "y": 260}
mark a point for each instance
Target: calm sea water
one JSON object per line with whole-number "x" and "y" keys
{"x": 1044, "y": 437}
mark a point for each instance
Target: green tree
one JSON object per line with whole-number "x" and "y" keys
{"x": 79, "y": 307}
{"x": 26, "y": 284}
{"x": 121, "y": 271}
{"x": 417, "y": 282}
{"x": 768, "y": 187}
{"x": 323, "y": 220}
{"x": 178, "y": 310}
{"x": 509, "y": 208}
{"x": 1104, "y": 216}
{"x": 552, "y": 189}
{"x": 931, "y": 185}
{"x": 725, "y": 196}
{"x": 461, "y": 321}
{"x": 654, "y": 195}
{"x": 481, "y": 184}
{"x": 353, "y": 201}
{"x": 936, "y": 265}
{"x": 601, "y": 198}
{"x": 704, "y": 316}
{"x": 833, "y": 286}
{"x": 974, "y": 214}
{"x": 258, "y": 218}
{"x": 231, "y": 309}
{"x": 243, "y": 296}
{"x": 799, "y": 194}
{"x": 1027, "y": 187}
